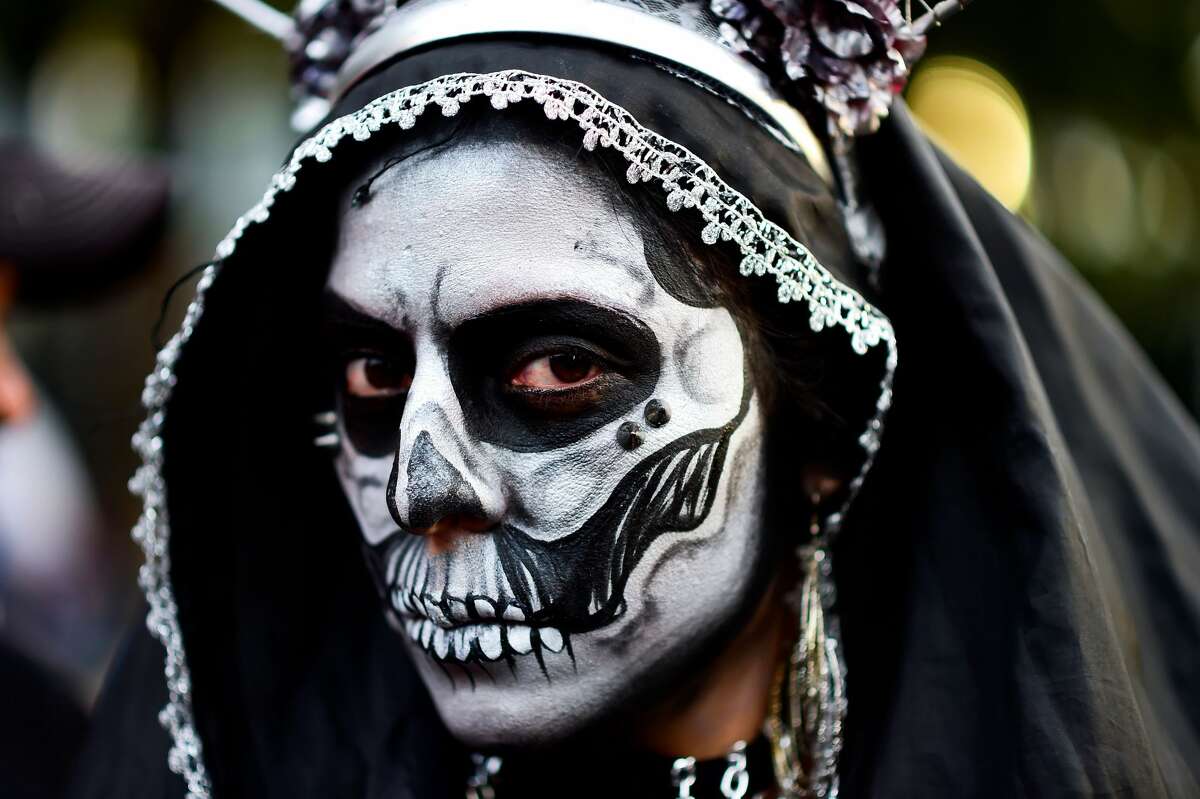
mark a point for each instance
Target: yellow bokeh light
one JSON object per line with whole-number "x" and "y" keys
{"x": 978, "y": 118}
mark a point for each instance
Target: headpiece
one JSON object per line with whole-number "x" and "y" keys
{"x": 819, "y": 72}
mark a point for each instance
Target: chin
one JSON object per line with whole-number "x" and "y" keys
{"x": 620, "y": 671}
{"x": 525, "y": 718}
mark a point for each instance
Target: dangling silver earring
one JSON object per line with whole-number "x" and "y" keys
{"x": 483, "y": 768}
{"x": 328, "y": 437}
{"x": 808, "y": 699}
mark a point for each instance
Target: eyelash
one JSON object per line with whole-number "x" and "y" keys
{"x": 350, "y": 357}
{"x": 524, "y": 361}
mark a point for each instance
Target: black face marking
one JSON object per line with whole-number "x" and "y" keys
{"x": 573, "y": 584}
{"x": 528, "y": 421}
{"x": 672, "y": 265}
{"x": 372, "y": 423}
{"x": 435, "y": 488}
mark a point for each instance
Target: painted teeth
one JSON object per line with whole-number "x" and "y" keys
{"x": 552, "y": 638}
{"x": 457, "y": 642}
{"x": 458, "y": 609}
{"x": 434, "y": 611}
{"x": 426, "y": 633}
{"x": 462, "y": 643}
{"x": 456, "y": 629}
{"x": 489, "y": 642}
{"x": 519, "y": 640}
{"x": 441, "y": 642}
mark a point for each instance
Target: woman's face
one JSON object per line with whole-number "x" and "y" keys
{"x": 553, "y": 449}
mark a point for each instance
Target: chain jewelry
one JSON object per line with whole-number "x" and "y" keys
{"x": 683, "y": 776}
{"x": 736, "y": 780}
{"x": 808, "y": 697}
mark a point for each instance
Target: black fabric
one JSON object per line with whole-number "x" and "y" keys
{"x": 42, "y": 728}
{"x": 1019, "y": 586}
{"x": 1018, "y": 579}
{"x": 126, "y": 754}
{"x": 608, "y": 770}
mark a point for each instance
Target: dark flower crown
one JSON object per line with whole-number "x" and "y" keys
{"x": 852, "y": 57}
{"x": 847, "y": 58}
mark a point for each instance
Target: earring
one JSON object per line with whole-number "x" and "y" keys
{"x": 328, "y": 439}
{"x": 483, "y": 769}
{"x": 808, "y": 698}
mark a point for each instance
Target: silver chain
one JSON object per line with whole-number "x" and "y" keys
{"x": 736, "y": 780}
{"x": 683, "y": 776}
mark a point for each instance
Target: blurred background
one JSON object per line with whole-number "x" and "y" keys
{"x": 1084, "y": 117}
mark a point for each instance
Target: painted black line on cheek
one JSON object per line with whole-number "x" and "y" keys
{"x": 660, "y": 495}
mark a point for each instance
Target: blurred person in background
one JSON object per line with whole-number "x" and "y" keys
{"x": 67, "y": 233}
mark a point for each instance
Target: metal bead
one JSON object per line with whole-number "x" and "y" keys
{"x": 657, "y": 413}
{"x": 629, "y": 435}
{"x": 328, "y": 441}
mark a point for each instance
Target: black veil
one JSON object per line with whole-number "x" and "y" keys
{"x": 1018, "y": 579}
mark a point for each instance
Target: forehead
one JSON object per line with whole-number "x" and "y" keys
{"x": 475, "y": 226}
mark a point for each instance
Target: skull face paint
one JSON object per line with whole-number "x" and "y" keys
{"x": 499, "y": 321}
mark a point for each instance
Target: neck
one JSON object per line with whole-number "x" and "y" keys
{"x": 730, "y": 701}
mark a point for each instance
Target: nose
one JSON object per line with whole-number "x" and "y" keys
{"x": 442, "y": 482}
{"x": 436, "y": 491}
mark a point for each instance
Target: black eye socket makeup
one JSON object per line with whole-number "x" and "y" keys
{"x": 574, "y": 367}
{"x": 565, "y": 376}
{"x": 529, "y": 377}
{"x": 371, "y": 366}
{"x": 377, "y": 375}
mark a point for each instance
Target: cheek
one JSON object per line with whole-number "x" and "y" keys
{"x": 555, "y": 492}
{"x": 364, "y": 481}
{"x": 691, "y": 587}
{"x": 708, "y": 356}
{"x": 702, "y": 382}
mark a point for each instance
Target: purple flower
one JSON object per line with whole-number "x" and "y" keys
{"x": 852, "y": 56}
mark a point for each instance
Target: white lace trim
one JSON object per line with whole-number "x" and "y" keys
{"x": 686, "y": 180}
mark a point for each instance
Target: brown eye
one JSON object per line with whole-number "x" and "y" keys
{"x": 375, "y": 377}
{"x": 558, "y": 370}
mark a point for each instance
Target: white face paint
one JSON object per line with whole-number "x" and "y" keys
{"x": 501, "y": 327}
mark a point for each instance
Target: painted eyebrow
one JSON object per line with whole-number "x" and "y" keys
{"x": 340, "y": 314}
{"x": 622, "y": 335}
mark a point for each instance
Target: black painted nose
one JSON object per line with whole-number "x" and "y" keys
{"x": 436, "y": 489}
